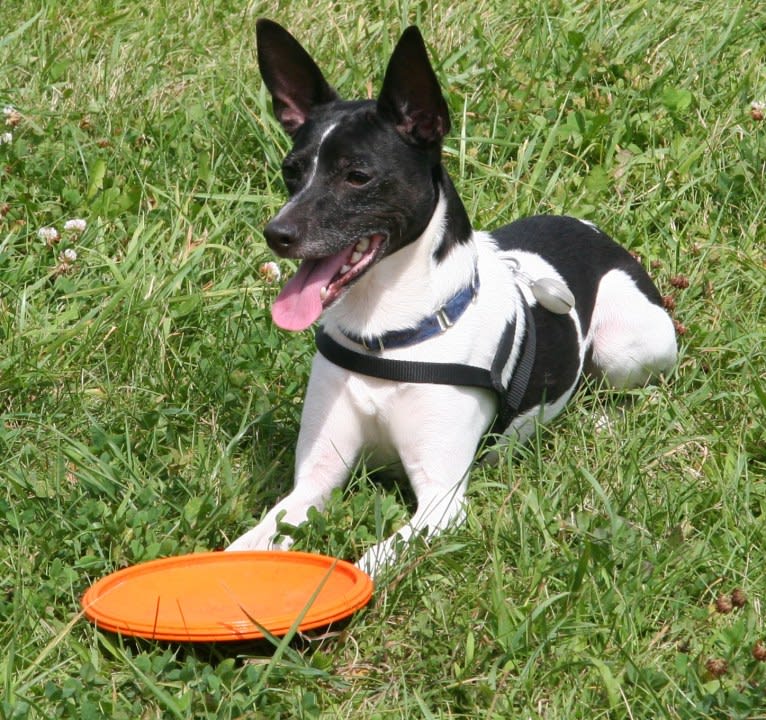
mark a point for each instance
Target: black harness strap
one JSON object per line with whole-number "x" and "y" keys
{"x": 402, "y": 370}
{"x": 450, "y": 373}
{"x": 519, "y": 383}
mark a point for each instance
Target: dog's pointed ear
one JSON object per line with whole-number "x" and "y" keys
{"x": 295, "y": 82}
{"x": 411, "y": 95}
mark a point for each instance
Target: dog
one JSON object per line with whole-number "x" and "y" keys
{"x": 402, "y": 282}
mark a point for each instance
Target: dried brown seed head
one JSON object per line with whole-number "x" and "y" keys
{"x": 738, "y": 598}
{"x": 717, "y": 667}
{"x": 723, "y": 604}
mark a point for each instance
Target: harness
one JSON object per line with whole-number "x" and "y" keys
{"x": 509, "y": 398}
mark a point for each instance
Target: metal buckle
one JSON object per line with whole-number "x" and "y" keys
{"x": 373, "y": 349}
{"x": 443, "y": 319}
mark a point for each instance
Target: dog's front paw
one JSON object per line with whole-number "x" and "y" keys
{"x": 260, "y": 538}
{"x": 379, "y": 557}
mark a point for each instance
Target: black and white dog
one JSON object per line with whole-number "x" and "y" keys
{"x": 430, "y": 329}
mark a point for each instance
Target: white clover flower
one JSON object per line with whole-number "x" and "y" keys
{"x": 6, "y": 138}
{"x": 49, "y": 235}
{"x": 12, "y": 116}
{"x": 75, "y": 225}
{"x": 270, "y": 272}
{"x": 66, "y": 259}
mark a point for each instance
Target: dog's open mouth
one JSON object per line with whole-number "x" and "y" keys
{"x": 318, "y": 283}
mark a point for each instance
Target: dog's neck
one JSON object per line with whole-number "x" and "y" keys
{"x": 416, "y": 279}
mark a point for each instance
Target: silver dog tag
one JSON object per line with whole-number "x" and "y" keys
{"x": 553, "y": 295}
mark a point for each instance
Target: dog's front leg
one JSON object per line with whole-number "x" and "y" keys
{"x": 440, "y": 504}
{"x": 436, "y": 446}
{"x": 329, "y": 444}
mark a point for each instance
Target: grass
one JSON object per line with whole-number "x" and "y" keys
{"x": 150, "y": 408}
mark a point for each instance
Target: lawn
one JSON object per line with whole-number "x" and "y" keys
{"x": 612, "y": 568}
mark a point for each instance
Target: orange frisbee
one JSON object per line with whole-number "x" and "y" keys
{"x": 221, "y": 596}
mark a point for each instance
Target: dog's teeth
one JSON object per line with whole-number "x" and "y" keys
{"x": 363, "y": 244}
{"x": 323, "y": 294}
{"x": 345, "y": 268}
{"x": 356, "y": 257}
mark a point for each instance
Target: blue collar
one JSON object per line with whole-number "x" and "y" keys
{"x": 444, "y": 318}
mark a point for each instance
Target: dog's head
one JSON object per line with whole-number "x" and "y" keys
{"x": 362, "y": 175}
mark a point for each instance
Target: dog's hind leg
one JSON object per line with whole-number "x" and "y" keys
{"x": 631, "y": 338}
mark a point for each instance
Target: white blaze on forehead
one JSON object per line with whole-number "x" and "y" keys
{"x": 315, "y": 159}
{"x": 313, "y": 171}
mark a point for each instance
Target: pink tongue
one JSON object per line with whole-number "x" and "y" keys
{"x": 298, "y": 304}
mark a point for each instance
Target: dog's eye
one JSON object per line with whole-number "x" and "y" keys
{"x": 357, "y": 178}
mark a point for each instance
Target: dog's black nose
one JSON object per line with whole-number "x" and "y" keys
{"x": 281, "y": 236}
